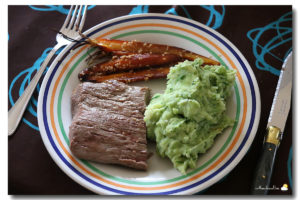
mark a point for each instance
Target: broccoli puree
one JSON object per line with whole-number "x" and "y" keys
{"x": 186, "y": 118}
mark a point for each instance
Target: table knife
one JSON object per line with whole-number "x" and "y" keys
{"x": 275, "y": 127}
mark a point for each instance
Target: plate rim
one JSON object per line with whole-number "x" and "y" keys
{"x": 89, "y": 31}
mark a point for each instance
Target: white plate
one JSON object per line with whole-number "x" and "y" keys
{"x": 54, "y": 109}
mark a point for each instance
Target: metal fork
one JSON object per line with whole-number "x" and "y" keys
{"x": 73, "y": 23}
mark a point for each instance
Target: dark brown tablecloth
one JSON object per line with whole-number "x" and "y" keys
{"x": 262, "y": 33}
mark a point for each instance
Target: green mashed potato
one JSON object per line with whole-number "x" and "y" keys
{"x": 185, "y": 119}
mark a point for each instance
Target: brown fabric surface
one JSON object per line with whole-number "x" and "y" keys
{"x": 32, "y": 170}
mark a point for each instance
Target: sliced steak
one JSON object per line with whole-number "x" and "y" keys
{"x": 108, "y": 123}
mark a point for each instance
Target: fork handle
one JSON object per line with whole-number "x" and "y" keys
{"x": 16, "y": 112}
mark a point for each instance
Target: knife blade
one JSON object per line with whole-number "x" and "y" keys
{"x": 275, "y": 127}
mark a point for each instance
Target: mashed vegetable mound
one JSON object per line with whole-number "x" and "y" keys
{"x": 185, "y": 119}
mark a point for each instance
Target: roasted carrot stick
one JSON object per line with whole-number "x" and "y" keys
{"x": 129, "y": 77}
{"x": 129, "y": 62}
{"x": 109, "y": 45}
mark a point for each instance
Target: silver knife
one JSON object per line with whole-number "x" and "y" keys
{"x": 275, "y": 127}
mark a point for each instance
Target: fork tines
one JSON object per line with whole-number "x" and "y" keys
{"x": 78, "y": 13}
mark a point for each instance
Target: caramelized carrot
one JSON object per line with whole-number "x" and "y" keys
{"x": 110, "y": 45}
{"x": 129, "y": 77}
{"x": 129, "y": 62}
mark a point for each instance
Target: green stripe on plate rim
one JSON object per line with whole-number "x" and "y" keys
{"x": 96, "y": 170}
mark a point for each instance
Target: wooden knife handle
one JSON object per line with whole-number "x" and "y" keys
{"x": 263, "y": 173}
